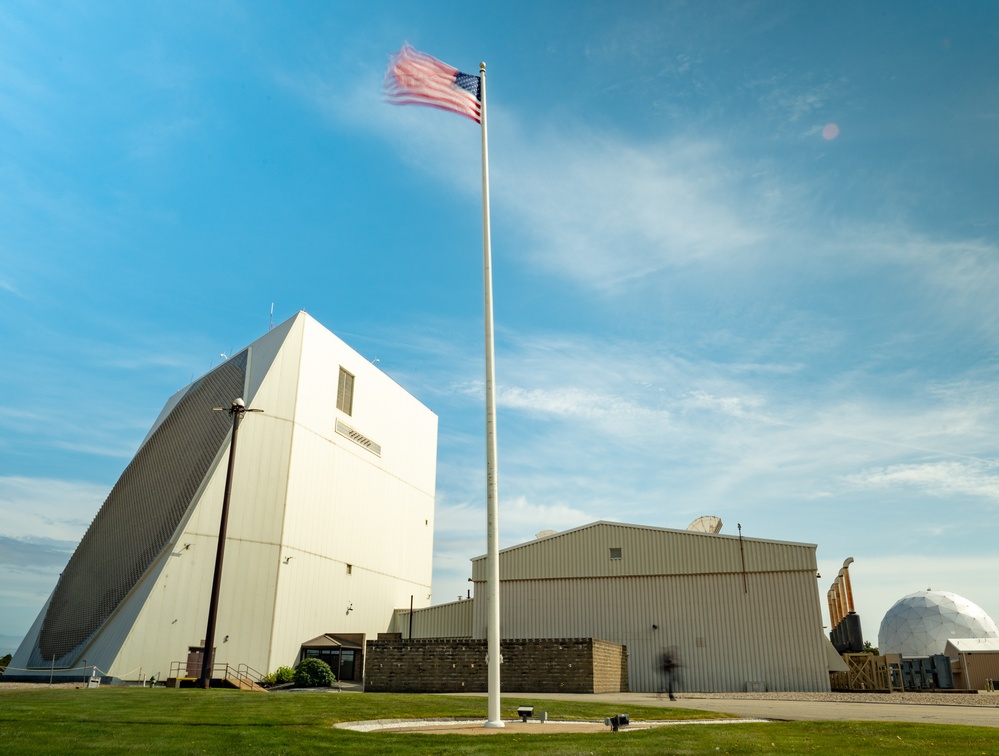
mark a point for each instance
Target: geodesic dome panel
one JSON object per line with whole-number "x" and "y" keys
{"x": 921, "y": 623}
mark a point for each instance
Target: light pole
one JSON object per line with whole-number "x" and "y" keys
{"x": 236, "y": 412}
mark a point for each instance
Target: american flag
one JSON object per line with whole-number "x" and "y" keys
{"x": 415, "y": 78}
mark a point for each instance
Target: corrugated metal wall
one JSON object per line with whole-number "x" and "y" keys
{"x": 671, "y": 589}
{"x": 981, "y": 667}
{"x": 725, "y": 637}
{"x": 452, "y": 620}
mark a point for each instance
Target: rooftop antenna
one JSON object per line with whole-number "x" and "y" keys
{"x": 706, "y": 524}
{"x": 272, "y": 315}
{"x": 742, "y": 553}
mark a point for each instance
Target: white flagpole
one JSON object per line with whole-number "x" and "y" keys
{"x": 493, "y": 656}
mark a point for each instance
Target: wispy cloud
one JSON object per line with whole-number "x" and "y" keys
{"x": 48, "y": 508}
{"x": 573, "y": 402}
{"x": 43, "y": 521}
{"x": 958, "y": 278}
{"x": 601, "y": 208}
{"x": 942, "y": 479}
{"x": 720, "y": 437}
{"x": 37, "y": 555}
{"x": 796, "y": 97}
{"x": 9, "y": 287}
{"x": 604, "y": 210}
{"x": 810, "y": 371}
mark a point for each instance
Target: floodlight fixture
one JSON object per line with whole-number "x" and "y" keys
{"x": 617, "y": 721}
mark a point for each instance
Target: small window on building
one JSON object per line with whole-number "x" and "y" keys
{"x": 615, "y": 552}
{"x": 350, "y": 569}
{"x": 345, "y": 392}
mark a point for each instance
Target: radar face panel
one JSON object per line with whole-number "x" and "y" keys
{"x": 142, "y": 511}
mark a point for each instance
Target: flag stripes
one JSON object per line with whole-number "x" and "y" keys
{"x": 415, "y": 78}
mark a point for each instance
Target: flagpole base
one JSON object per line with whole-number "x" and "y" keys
{"x": 495, "y": 723}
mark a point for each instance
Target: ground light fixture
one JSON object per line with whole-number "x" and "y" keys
{"x": 524, "y": 712}
{"x": 617, "y": 721}
{"x": 236, "y": 411}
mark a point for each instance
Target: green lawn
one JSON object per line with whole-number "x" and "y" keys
{"x": 141, "y": 720}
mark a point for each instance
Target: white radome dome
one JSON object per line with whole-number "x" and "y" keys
{"x": 921, "y": 623}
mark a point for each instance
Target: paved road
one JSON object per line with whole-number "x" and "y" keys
{"x": 744, "y": 706}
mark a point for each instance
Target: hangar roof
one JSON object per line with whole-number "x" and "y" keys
{"x": 613, "y": 549}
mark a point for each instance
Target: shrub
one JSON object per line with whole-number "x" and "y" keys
{"x": 313, "y": 673}
{"x": 282, "y": 676}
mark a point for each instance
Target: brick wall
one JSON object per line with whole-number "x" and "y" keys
{"x": 548, "y": 665}
{"x": 610, "y": 667}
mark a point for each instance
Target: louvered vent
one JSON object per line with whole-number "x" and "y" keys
{"x": 142, "y": 511}
{"x": 361, "y": 440}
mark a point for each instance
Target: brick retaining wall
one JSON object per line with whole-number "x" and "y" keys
{"x": 545, "y": 665}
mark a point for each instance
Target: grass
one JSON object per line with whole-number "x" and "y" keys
{"x": 140, "y": 720}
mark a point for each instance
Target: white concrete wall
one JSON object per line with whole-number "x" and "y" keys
{"x": 305, "y": 503}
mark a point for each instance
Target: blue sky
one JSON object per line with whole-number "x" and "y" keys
{"x": 746, "y": 256}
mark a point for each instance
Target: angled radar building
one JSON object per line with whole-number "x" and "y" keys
{"x": 330, "y": 525}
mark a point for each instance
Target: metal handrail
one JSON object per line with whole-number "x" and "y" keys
{"x": 243, "y": 675}
{"x": 245, "y": 670}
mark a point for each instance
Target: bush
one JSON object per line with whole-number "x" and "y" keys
{"x": 282, "y": 676}
{"x": 314, "y": 673}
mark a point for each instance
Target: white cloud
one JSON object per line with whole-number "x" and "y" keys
{"x": 601, "y": 208}
{"x": 48, "y": 508}
{"x": 944, "y": 478}
{"x": 604, "y": 210}
{"x": 796, "y": 97}
{"x": 574, "y": 402}
{"x": 740, "y": 407}
{"x": 829, "y": 402}
{"x": 591, "y": 417}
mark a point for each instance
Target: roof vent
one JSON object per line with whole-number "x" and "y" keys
{"x": 545, "y": 533}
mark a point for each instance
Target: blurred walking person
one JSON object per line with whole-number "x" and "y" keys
{"x": 670, "y": 664}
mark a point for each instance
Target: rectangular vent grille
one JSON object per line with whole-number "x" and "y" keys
{"x": 347, "y": 432}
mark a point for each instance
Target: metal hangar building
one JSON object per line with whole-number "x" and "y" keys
{"x": 740, "y": 614}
